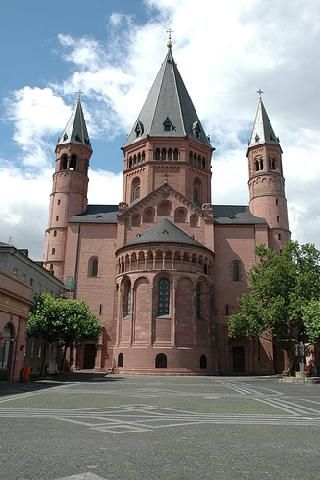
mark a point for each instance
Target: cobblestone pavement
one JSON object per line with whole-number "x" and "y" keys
{"x": 96, "y": 427}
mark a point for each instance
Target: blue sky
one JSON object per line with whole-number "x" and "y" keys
{"x": 31, "y": 52}
{"x": 112, "y": 50}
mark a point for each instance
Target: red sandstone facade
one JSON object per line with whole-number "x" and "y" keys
{"x": 164, "y": 269}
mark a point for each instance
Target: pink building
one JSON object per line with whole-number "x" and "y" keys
{"x": 163, "y": 269}
{"x": 21, "y": 279}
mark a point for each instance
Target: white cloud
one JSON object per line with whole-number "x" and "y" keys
{"x": 24, "y": 203}
{"x": 225, "y": 52}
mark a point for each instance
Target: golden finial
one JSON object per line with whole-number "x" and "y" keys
{"x": 169, "y": 44}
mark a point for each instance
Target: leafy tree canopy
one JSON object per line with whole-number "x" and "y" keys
{"x": 60, "y": 319}
{"x": 281, "y": 286}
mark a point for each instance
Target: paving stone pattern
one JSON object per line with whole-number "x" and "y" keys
{"x": 92, "y": 427}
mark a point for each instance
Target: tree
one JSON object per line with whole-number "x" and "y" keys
{"x": 281, "y": 285}
{"x": 311, "y": 318}
{"x": 61, "y": 320}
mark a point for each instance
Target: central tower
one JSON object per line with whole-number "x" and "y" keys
{"x": 167, "y": 142}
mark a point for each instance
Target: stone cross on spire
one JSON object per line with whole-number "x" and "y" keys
{"x": 79, "y": 93}
{"x": 260, "y": 92}
{"x": 169, "y": 44}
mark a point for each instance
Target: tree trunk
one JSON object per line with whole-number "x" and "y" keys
{"x": 63, "y": 359}
{"x": 43, "y": 361}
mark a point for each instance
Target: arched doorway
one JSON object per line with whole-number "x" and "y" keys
{"x": 89, "y": 356}
{"x": 161, "y": 360}
{"x": 238, "y": 359}
{"x": 120, "y": 360}
{"x": 6, "y": 343}
{"x": 203, "y": 361}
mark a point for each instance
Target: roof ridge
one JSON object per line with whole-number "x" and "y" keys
{"x": 159, "y": 91}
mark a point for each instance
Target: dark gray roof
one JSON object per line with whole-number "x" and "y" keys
{"x": 97, "y": 214}
{"x": 76, "y": 129}
{"x": 262, "y": 131}
{"x": 3, "y": 244}
{"x": 165, "y": 231}
{"x": 235, "y": 214}
{"x": 168, "y": 101}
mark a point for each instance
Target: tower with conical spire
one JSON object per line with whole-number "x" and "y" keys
{"x": 69, "y": 189}
{"x": 266, "y": 181}
{"x": 167, "y": 142}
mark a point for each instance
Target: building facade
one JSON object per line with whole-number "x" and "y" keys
{"x": 21, "y": 279}
{"x": 163, "y": 269}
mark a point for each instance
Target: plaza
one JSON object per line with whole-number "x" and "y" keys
{"x": 91, "y": 426}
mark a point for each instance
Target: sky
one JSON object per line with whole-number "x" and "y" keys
{"x": 111, "y": 50}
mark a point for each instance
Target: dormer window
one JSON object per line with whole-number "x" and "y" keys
{"x": 196, "y": 129}
{"x": 65, "y": 137}
{"x": 139, "y": 129}
{"x": 77, "y": 138}
{"x": 257, "y": 138}
{"x": 167, "y": 125}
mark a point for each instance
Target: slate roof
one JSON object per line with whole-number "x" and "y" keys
{"x": 262, "y": 131}
{"x": 235, "y": 214}
{"x": 76, "y": 129}
{"x": 168, "y": 101}
{"x": 223, "y": 214}
{"x": 164, "y": 232}
{"x": 3, "y": 244}
{"x": 97, "y": 214}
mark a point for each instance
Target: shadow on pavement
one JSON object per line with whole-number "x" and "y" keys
{"x": 42, "y": 383}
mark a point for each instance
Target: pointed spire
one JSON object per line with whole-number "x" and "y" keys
{"x": 76, "y": 129}
{"x": 168, "y": 110}
{"x": 262, "y": 131}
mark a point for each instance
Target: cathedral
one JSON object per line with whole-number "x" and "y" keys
{"x": 163, "y": 270}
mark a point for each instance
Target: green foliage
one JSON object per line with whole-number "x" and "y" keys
{"x": 311, "y": 318}
{"x": 281, "y": 285}
{"x": 60, "y": 319}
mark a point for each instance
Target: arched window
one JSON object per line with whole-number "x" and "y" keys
{"x": 54, "y": 233}
{"x": 164, "y": 297}
{"x": 203, "y": 361}
{"x": 164, "y": 154}
{"x": 236, "y": 271}
{"x": 191, "y": 158}
{"x": 170, "y": 154}
{"x": 261, "y": 164}
{"x": 130, "y": 162}
{"x": 198, "y": 301}
{"x": 64, "y": 162}
{"x": 126, "y": 299}
{"x": 120, "y": 360}
{"x": 73, "y": 162}
{"x": 256, "y": 165}
{"x": 175, "y": 154}
{"x": 203, "y": 162}
{"x": 135, "y": 189}
{"x": 143, "y": 156}
{"x": 197, "y": 192}
{"x": 139, "y": 157}
{"x": 180, "y": 215}
{"x": 93, "y": 267}
{"x": 164, "y": 208}
{"x": 148, "y": 215}
{"x": 157, "y": 154}
{"x": 5, "y": 347}
{"x": 161, "y": 361}
{"x": 199, "y": 161}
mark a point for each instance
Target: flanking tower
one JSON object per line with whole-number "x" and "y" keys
{"x": 266, "y": 181}
{"x": 69, "y": 189}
